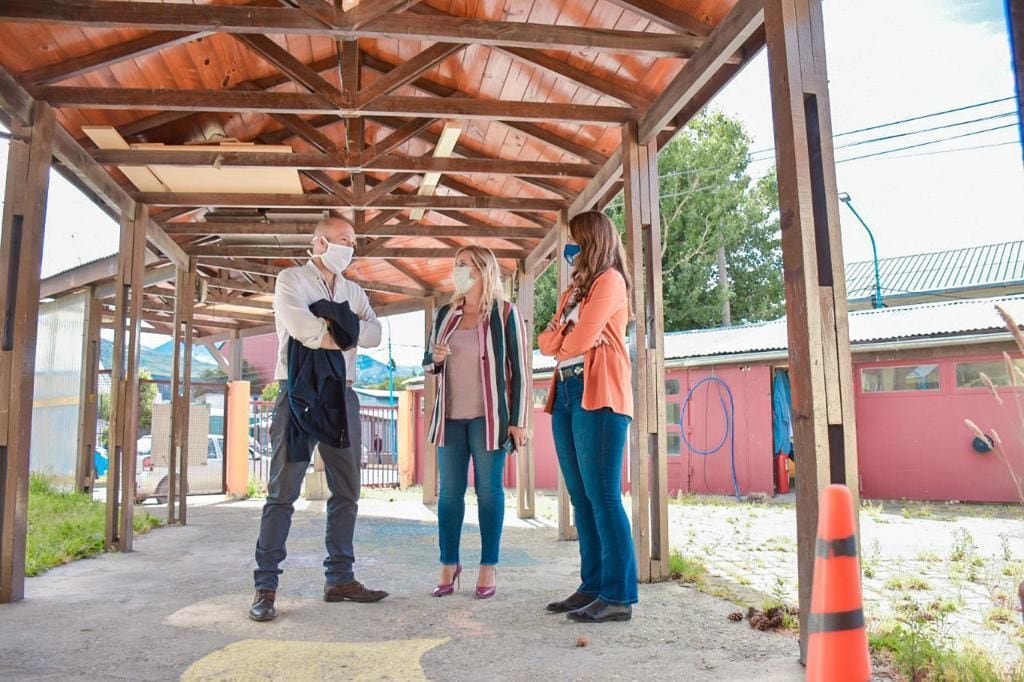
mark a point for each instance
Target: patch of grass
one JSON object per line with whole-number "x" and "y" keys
{"x": 686, "y": 569}
{"x": 907, "y": 582}
{"x": 1014, "y": 569}
{"x": 65, "y": 526}
{"x": 255, "y": 489}
{"x": 693, "y": 499}
{"x": 929, "y": 557}
{"x": 919, "y": 657}
{"x": 917, "y": 510}
{"x": 779, "y": 543}
{"x": 999, "y": 615}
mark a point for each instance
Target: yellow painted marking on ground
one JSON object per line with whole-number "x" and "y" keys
{"x": 297, "y": 661}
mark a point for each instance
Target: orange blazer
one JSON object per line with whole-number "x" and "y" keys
{"x": 607, "y": 373}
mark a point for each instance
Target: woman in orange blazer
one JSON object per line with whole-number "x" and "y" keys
{"x": 591, "y": 405}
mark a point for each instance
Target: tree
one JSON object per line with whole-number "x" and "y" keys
{"x": 708, "y": 200}
{"x": 147, "y": 394}
{"x": 270, "y": 391}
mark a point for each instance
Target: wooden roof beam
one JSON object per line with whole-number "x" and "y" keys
{"x": 262, "y": 20}
{"x": 669, "y": 17}
{"x": 326, "y": 201}
{"x": 108, "y": 56}
{"x": 225, "y": 158}
{"x": 265, "y": 251}
{"x": 240, "y": 101}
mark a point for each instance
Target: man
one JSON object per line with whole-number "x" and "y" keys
{"x": 297, "y": 288}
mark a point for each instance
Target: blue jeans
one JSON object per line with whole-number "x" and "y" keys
{"x": 590, "y": 446}
{"x": 465, "y": 438}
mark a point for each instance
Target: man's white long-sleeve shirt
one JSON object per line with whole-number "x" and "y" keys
{"x": 299, "y": 287}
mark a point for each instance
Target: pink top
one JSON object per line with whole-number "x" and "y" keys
{"x": 465, "y": 397}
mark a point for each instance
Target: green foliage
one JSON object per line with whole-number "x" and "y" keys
{"x": 65, "y": 526}
{"x": 270, "y": 391}
{"x": 708, "y": 200}
{"x": 685, "y": 569}
{"x": 147, "y": 394}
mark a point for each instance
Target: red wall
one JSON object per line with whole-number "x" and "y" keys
{"x": 915, "y": 445}
{"x": 752, "y": 394}
{"x": 911, "y": 444}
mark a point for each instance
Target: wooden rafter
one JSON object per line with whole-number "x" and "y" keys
{"x": 324, "y": 201}
{"x": 262, "y": 20}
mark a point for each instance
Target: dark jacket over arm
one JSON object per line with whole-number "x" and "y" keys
{"x": 317, "y": 383}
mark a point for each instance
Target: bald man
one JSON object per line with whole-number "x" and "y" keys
{"x": 321, "y": 278}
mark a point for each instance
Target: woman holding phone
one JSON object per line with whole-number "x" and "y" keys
{"x": 478, "y": 350}
{"x": 591, "y": 405}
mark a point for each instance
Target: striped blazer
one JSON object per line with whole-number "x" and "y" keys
{"x": 506, "y": 383}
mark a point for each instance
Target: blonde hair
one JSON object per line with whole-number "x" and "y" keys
{"x": 486, "y": 263}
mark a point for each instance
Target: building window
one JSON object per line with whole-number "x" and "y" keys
{"x": 968, "y": 374}
{"x": 674, "y": 445}
{"x": 673, "y": 413}
{"x": 672, "y": 386}
{"x": 540, "y": 397}
{"x": 909, "y": 378}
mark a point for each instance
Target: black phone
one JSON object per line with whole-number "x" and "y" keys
{"x": 509, "y": 446}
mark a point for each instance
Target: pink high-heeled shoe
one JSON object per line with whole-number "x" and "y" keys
{"x": 443, "y": 590}
{"x": 487, "y": 592}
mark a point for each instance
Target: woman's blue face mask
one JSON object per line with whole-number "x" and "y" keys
{"x": 570, "y": 252}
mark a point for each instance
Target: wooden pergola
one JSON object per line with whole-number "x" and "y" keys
{"x": 218, "y": 133}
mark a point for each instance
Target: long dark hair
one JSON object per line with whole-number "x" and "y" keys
{"x": 600, "y": 250}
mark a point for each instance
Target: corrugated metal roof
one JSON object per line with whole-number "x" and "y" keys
{"x": 926, "y": 320}
{"x": 976, "y": 266}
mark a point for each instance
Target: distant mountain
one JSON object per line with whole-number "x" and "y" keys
{"x": 159, "y": 360}
{"x": 373, "y": 371}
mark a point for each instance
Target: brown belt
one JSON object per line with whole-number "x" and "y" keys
{"x": 564, "y": 373}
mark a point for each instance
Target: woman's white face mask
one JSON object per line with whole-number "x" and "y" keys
{"x": 462, "y": 277}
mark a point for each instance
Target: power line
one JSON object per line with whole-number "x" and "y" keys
{"x": 930, "y": 142}
{"x": 927, "y": 130}
{"x": 955, "y": 149}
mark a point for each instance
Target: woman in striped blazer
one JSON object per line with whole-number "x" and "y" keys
{"x": 478, "y": 349}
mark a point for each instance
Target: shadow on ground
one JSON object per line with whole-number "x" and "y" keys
{"x": 176, "y": 609}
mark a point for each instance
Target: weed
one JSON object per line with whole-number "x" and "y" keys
{"x": 963, "y": 545}
{"x": 999, "y": 615}
{"x": 256, "y": 489}
{"x": 929, "y": 557}
{"x": 685, "y": 569}
{"x": 1004, "y": 545}
{"x": 1013, "y": 569}
{"x": 911, "y": 582}
{"x": 871, "y": 560}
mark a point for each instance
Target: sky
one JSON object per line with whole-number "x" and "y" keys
{"x": 887, "y": 61}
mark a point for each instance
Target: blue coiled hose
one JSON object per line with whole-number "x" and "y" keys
{"x": 729, "y": 412}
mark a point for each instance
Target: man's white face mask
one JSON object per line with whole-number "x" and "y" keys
{"x": 337, "y": 257}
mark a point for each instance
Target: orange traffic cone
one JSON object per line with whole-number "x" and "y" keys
{"x": 837, "y": 644}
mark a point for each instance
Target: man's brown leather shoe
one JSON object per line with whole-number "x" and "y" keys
{"x": 352, "y": 591}
{"x": 263, "y": 606}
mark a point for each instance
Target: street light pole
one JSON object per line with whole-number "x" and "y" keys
{"x": 845, "y": 198}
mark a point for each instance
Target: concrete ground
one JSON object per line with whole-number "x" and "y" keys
{"x": 176, "y": 609}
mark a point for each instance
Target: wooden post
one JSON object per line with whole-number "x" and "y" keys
{"x": 1015, "y": 17}
{"x": 566, "y": 523}
{"x": 648, "y": 461}
{"x": 819, "y": 346}
{"x": 21, "y": 257}
{"x": 429, "y": 472}
{"x": 235, "y": 373}
{"x": 181, "y": 394}
{"x": 89, "y": 393}
{"x": 124, "y": 395}
{"x": 525, "y": 470}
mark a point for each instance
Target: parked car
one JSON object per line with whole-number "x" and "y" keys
{"x": 151, "y": 481}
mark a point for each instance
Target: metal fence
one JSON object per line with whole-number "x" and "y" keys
{"x": 378, "y": 457}
{"x": 207, "y": 465}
